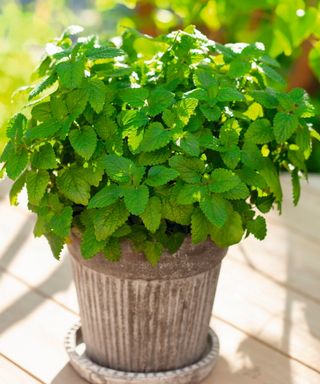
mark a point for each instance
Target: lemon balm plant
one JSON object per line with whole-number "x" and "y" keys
{"x": 155, "y": 139}
{"x": 154, "y": 148}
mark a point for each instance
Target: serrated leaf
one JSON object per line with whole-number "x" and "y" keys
{"x": 176, "y": 213}
{"x": 56, "y": 244}
{"x": 151, "y": 216}
{"x": 265, "y": 98}
{"x": 93, "y": 174}
{"x": 112, "y": 250}
{"x": 251, "y": 177}
{"x": 223, "y": 180}
{"x": 231, "y": 156}
{"x": 107, "y": 220}
{"x": 76, "y": 102}
{"x": 240, "y": 191}
{"x": 190, "y": 193}
{"x": 211, "y": 113}
{"x": 159, "y": 100}
{"x": 72, "y": 185}
{"x": 160, "y": 175}
{"x": 118, "y": 168}
{"x": 239, "y": 68}
{"x": 44, "y": 130}
{"x": 251, "y": 156}
{"x": 230, "y": 233}
{"x": 136, "y": 198}
{"x": 42, "y": 111}
{"x": 153, "y": 252}
{"x": 44, "y": 157}
{"x": 95, "y": 53}
{"x": 258, "y": 227}
{"x": 203, "y": 78}
{"x": 215, "y": 209}
{"x": 106, "y": 128}
{"x": 105, "y": 197}
{"x": 185, "y": 108}
{"x": 155, "y": 137}
{"x": 260, "y": 132}
{"x": 83, "y": 141}
{"x": 271, "y": 176}
{"x": 89, "y": 245}
{"x": 190, "y": 144}
{"x": 135, "y": 97}
{"x": 155, "y": 157}
{"x": 37, "y": 183}
{"x": 96, "y": 94}
{"x": 296, "y": 188}
{"x": 190, "y": 169}
{"x": 17, "y": 160}
{"x": 71, "y": 73}
{"x": 16, "y": 127}
{"x": 42, "y": 85}
{"x": 17, "y": 188}
{"x": 199, "y": 227}
{"x": 284, "y": 126}
{"x": 60, "y": 223}
{"x": 229, "y": 94}
{"x": 272, "y": 74}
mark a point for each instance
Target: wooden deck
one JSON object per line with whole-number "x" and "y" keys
{"x": 267, "y": 310}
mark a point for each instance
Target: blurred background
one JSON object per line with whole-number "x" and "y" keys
{"x": 290, "y": 30}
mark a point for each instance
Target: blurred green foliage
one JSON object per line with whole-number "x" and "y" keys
{"x": 290, "y": 30}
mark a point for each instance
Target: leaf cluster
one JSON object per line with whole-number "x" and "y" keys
{"x": 181, "y": 137}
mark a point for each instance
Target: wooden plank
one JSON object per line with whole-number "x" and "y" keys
{"x": 10, "y": 374}
{"x": 32, "y": 329}
{"x": 244, "y": 360}
{"x": 30, "y": 259}
{"x": 279, "y": 317}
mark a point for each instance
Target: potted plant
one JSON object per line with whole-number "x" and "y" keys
{"x": 148, "y": 157}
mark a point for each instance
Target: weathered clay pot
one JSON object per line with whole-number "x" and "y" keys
{"x": 140, "y": 318}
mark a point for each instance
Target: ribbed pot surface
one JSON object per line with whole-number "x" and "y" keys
{"x": 139, "y": 325}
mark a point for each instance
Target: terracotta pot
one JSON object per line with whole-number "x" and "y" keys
{"x": 140, "y": 318}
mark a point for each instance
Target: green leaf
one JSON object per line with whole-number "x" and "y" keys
{"x": 159, "y": 100}
{"x": 83, "y": 141}
{"x": 96, "y": 91}
{"x": 160, "y": 175}
{"x": 296, "y": 188}
{"x": 284, "y": 126}
{"x": 105, "y": 197}
{"x": 199, "y": 227}
{"x": 76, "y": 102}
{"x": 155, "y": 137}
{"x": 216, "y": 209}
{"x": 42, "y": 111}
{"x": 190, "y": 169}
{"x": 96, "y": 53}
{"x": 223, "y": 180}
{"x": 190, "y": 144}
{"x": 112, "y": 250}
{"x": 176, "y": 213}
{"x": 151, "y": 216}
{"x": 153, "y": 252}
{"x": 229, "y": 94}
{"x": 185, "y": 109}
{"x": 42, "y": 85}
{"x": 72, "y": 185}
{"x": 230, "y": 233}
{"x": 265, "y": 98}
{"x": 16, "y": 127}
{"x": 17, "y": 188}
{"x": 60, "y": 223}
{"x": 272, "y": 74}
{"x": 107, "y": 220}
{"x": 136, "y": 198}
{"x": 231, "y": 156}
{"x": 118, "y": 168}
{"x": 250, "y": 177}
{"x": 240, "y": 191}
{"x": 155, "y": 157}
{"x": 37, "y": 183}
{"x": 56, "y": 244}
{"x": 190, "y": 193}
{"x": 211, "y": 113}
{"x": 258, "y": 227}
{"x": 71, "y": 73}
{"x": 106, "y": 128}
{"x": 44, "y": 130}
{"x": 260, "y": 132}
{"x": 135, "y": 97}
{"x": 239, "y": 68}
{"x": 203, "y": 78}
{"x": 89, "y": 245}
{"x": 251, "y": 156}
{"x": 17, "y": 160}
{"x": 93, "y": 174}
{"x": 271, "y": 176}
{"x": 44, "y": 157}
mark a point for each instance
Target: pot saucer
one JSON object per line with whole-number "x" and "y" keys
{"x": 97, "y": 374}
